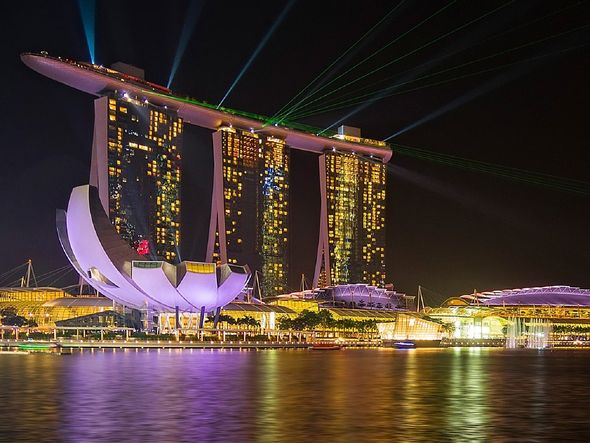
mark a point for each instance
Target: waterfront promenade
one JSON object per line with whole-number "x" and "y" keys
{"x": 72, "y": 344}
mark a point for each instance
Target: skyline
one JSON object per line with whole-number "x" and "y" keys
{"x": 505, "y": 237}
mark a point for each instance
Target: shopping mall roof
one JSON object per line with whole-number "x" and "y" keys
{"x": 75, "y": 302}
{"x": 538, "y": 296}
{"x": 256, "y": 307}
{"x": 367, "y": 313}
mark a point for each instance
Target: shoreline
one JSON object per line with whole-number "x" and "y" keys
{"x": 170, "y": 344}
{"x": 67, "y": 346}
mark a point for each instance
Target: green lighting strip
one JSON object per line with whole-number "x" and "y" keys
{"x": 258, "y": 117}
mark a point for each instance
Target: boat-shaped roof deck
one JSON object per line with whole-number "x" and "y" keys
{"x": 98, "y": 80}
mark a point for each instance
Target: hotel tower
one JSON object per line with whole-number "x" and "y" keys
{"x": 250, "y": 205}
{"x": 136, "y": 158}
{"x": 351, "y": 247}
{"x": 136, "y": 166}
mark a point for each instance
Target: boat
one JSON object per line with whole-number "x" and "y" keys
{"x": 38, "y": 346}
{"x": 406, "y": 344}
{"x": 325, "y": 347}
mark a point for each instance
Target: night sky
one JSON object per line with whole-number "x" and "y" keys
{"x": 448, "y": 229}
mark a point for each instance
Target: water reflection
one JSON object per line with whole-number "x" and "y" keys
{"x": 269, "y": 396}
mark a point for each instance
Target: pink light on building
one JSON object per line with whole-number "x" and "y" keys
{"x": 143, "y": 248}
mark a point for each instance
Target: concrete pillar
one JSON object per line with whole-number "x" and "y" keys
{"x": 102, "y": 334}
{"x": 216, "y": 321}
{"x": 202, "y": 318}
{"x": 177, "y": 318}
{"x": 55, "y": 333}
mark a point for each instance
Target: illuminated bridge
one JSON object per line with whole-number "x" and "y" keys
{"x": 136, "y": 167}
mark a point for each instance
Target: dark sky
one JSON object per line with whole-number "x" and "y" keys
{"x": 447, "y": 229}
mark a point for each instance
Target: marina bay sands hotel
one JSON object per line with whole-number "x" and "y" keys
{"x": 137, "y": 168}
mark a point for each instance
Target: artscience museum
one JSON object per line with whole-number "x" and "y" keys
{"x": 108, "y": 264}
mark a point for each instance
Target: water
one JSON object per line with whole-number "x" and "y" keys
{"x": 299, "y": 395}
{"x": 534, "y": 336}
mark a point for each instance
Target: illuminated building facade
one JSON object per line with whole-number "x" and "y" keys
{"x": 273, "y": 236}
{"x": 105, "y": 261}
{"x": 352, "y": 220}
{"x": 250, "y": 205}
{"x": 136, "y": 167}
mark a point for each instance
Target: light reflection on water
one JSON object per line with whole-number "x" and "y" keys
{"x": 269, "y": 396}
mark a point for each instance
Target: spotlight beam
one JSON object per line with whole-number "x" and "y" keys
{"x": 190, "y": 21}
{"x": 259, "y": 48}
{"x": 88, "y": 15}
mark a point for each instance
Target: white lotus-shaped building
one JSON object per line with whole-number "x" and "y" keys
{"x": 108, "y": 264}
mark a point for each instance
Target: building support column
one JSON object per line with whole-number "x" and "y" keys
{"x": 216, "y": 321}
{"x": 98, "y": 162}
{"x": 202, "y": 318}
{"x": 323, "y": 252}
{"x": 217, "y": 219}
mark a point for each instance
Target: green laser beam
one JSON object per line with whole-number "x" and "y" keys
{"x": 504, "y": 175}
{"x": 480, "y": 167}
{"x": 520, "y": 26}
{"x": 402, "y": 57}
{"x": 411, "y": 52}
{"x": 460, "y": 77}
{"x": 384, "y": 93}
{"x": 284, "y": 116}
{"x": 506, "y": 172}
{"x": 338, "y": 59}
{"x": 542, "y": 175}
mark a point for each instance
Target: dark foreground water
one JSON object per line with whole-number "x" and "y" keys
{"x": 311, "y": 396}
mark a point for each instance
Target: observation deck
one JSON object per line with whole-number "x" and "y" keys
{"x": 98, "y": 80}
